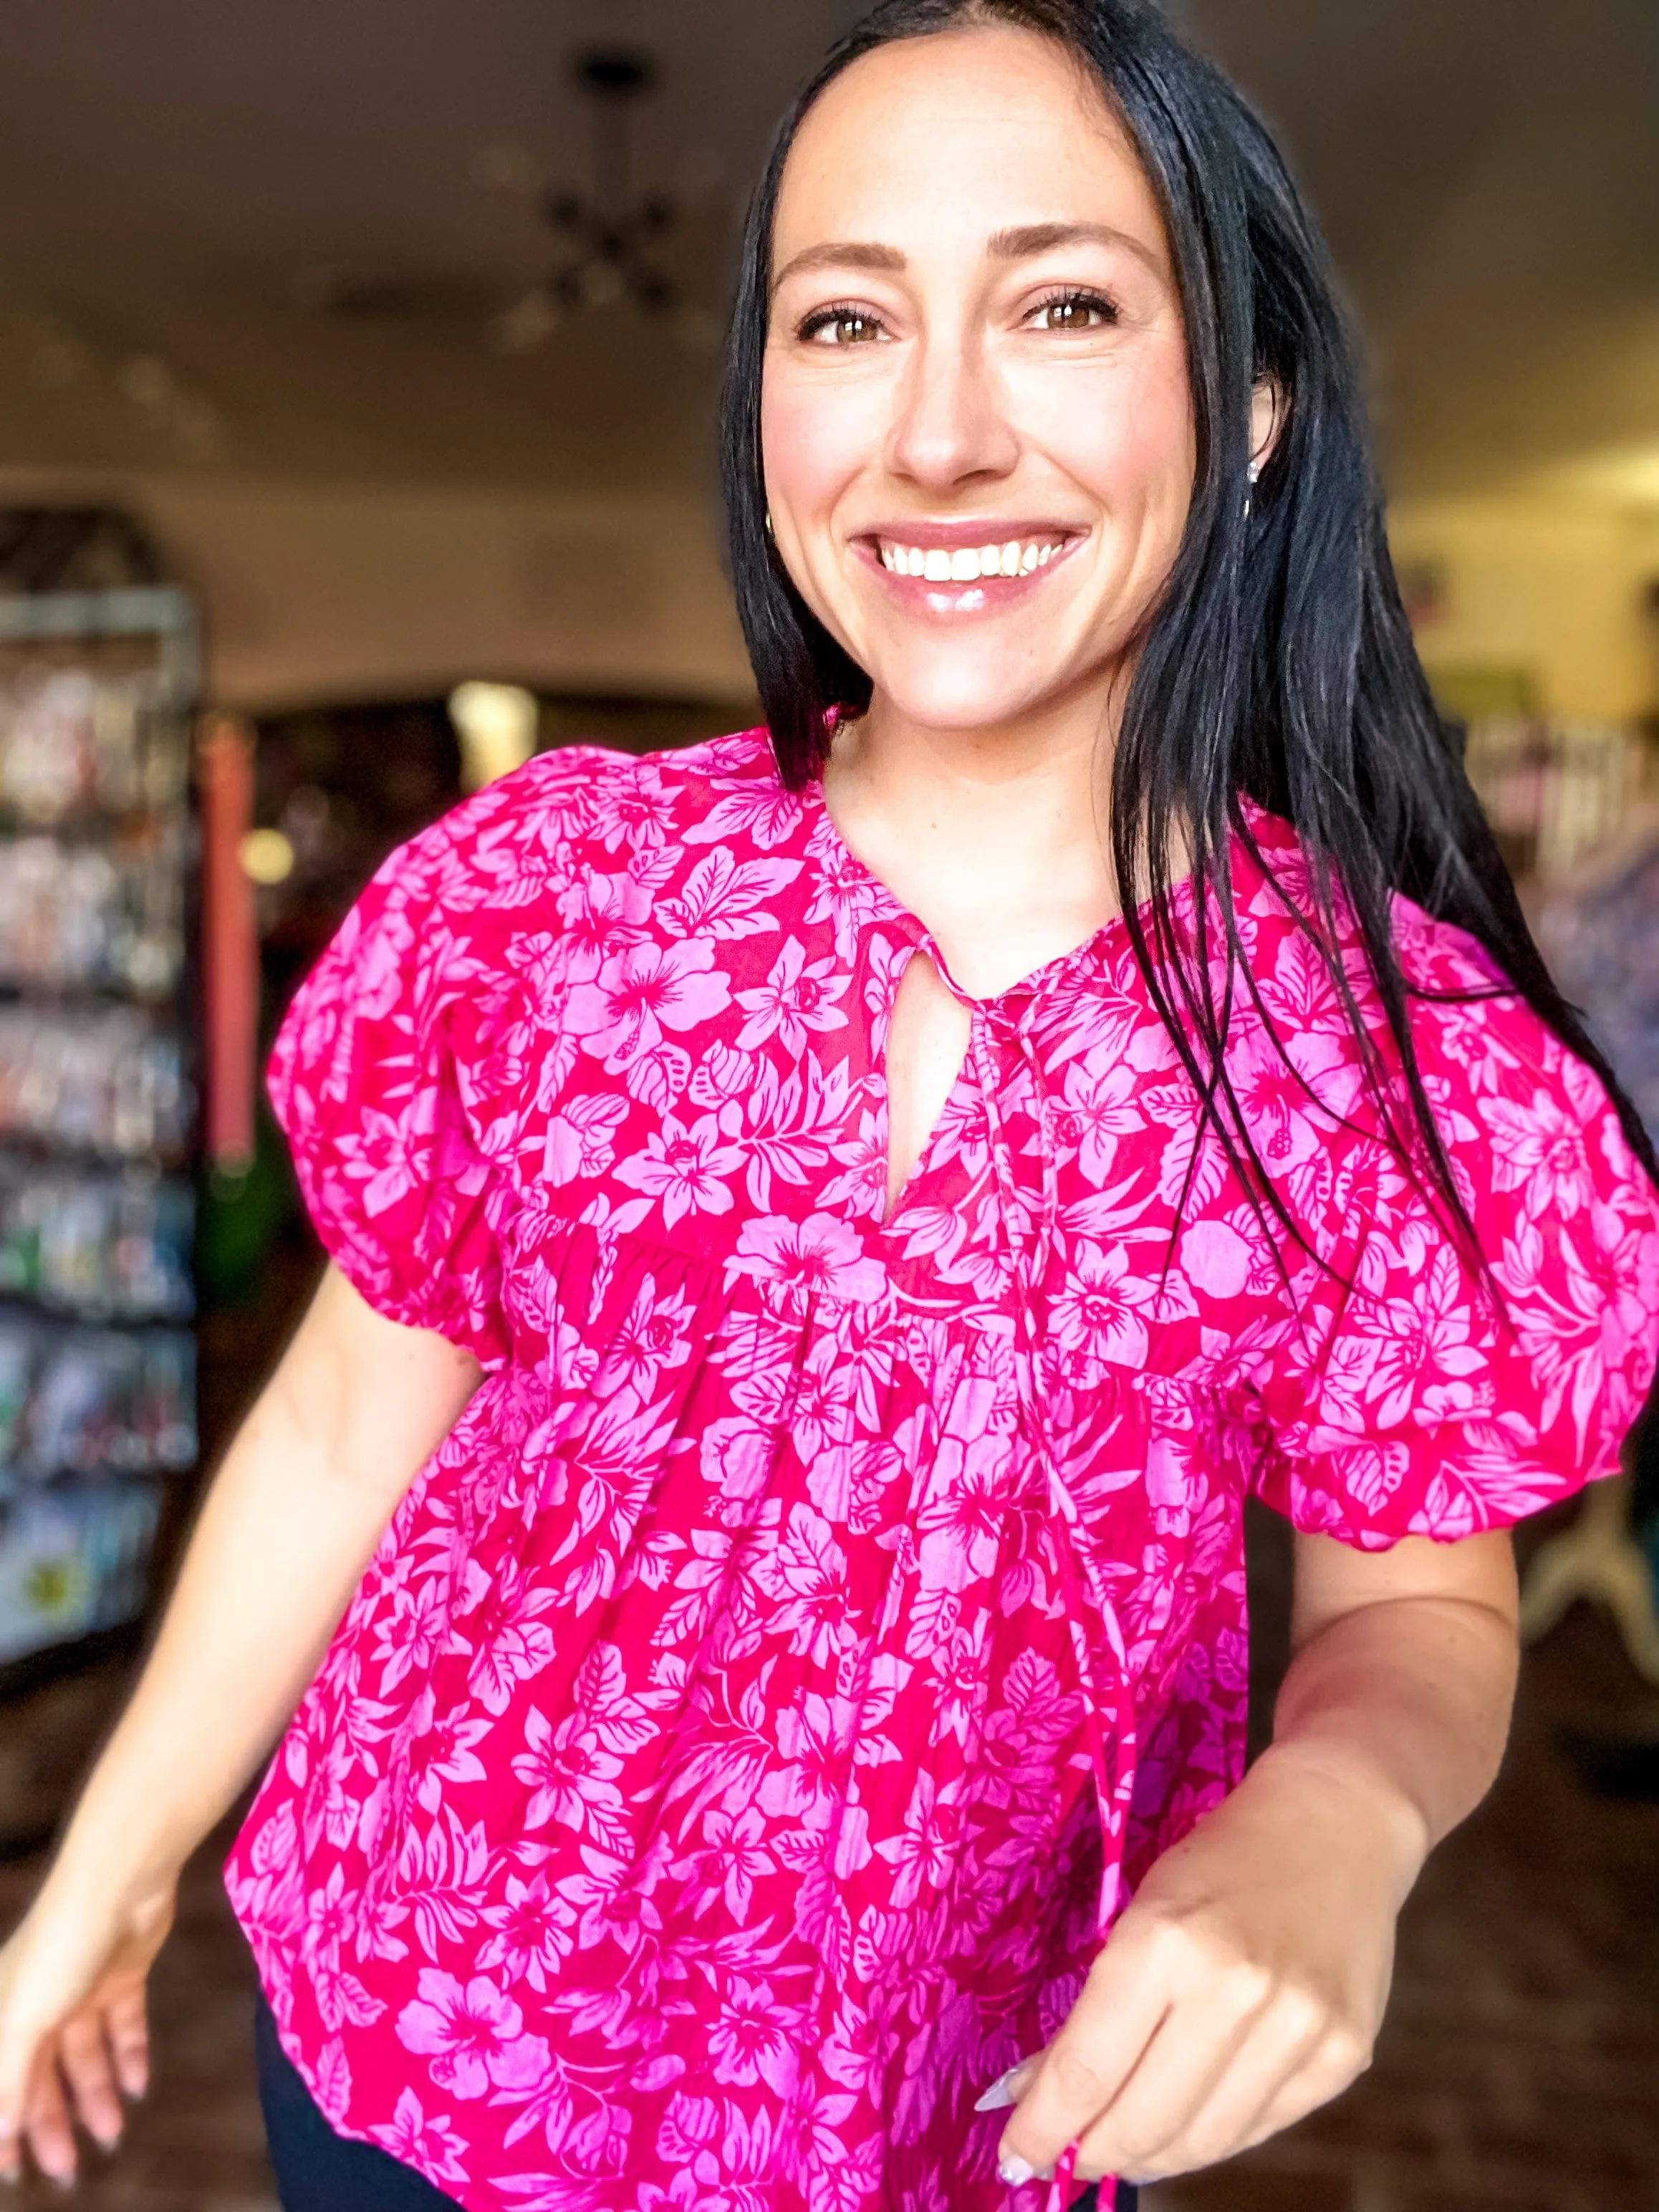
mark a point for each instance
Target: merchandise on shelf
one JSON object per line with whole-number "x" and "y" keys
{"x": 106, "y": 915}
{"x": 114, "y": 1247}
{"x": 78, "y": 1402}
{"x": 97, "y": 1079}
{"x": 98, "y": 853}
{"x": 74, "y": 741}
{"x": 72, "y": 1561}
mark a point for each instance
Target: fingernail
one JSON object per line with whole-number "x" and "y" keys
{"x": 1015, "y": 2172}
{"x": 1001, "y": 2093}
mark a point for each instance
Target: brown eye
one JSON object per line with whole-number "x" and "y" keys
{"x": 1076, "y": 310}
{"x": 841, "y": 326}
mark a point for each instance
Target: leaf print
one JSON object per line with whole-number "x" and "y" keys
{"x": 688, "y": 2131}
{"x": 770, "y": 818}
{"x": 722, "y": 896}
{"x": 741, "y": 1641}
{"x": 582, "y": 1139}
{"x": 334, "y": 2084}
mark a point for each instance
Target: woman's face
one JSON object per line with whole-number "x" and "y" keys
{"x": 976, "y": 419}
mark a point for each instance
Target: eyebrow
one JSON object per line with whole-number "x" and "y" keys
{"x": 1021, "y": 243}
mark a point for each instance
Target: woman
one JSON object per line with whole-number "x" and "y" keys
{"x": 815, "y": 1271}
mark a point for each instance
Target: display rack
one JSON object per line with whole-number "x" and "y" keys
{"x": 97, "y": 1109}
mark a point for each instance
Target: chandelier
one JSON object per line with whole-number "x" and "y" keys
{"x": 605, "y": 236}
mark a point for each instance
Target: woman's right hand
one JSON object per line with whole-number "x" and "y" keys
{"x": 74, "y": 2034}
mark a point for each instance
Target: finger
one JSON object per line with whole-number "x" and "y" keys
{"x": 14, "y": 2080}
{"x": 127, "y": 2025}
{"x": 84, "y": 2056}
{"x": 1204, "y": 2083}
{"x": 1009, "y": 2086}
{"x": 1122, "y": 2004}
{"x": 1195, "y": 2047}
{"x": 47, "y": 2125}
{"x": 1337, "y": 2061}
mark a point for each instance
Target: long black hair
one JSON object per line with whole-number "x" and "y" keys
{"x": 1277, "y": 665}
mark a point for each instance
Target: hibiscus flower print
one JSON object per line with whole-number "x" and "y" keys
{"x": 640, "y": 993}
{"x": 433, "y": 2146}
{"x": 818, "y": 1253}
{"x": 663, "y": 1829}
{"x": 799, "y": 999}
{"x": 1101, "y": 1313}
{"x": 750, "y": 2039}
{"x": 571, "y": 1777}
{"x": 684, "y": 1168}
{"x": 470, "y": 2034}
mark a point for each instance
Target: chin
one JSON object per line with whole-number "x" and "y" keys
{"x": 954, "y": 692}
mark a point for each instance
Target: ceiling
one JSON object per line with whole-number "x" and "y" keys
{"x": 184, "y": 185}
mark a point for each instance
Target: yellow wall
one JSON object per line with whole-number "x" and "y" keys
{"x": 1548, "y": 587}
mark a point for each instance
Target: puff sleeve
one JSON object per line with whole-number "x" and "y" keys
{"x": 1410, "y": 1398}
{"x": 376, "y": 1079}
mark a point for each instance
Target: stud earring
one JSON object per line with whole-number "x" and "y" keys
{"x": 770, "y": 531}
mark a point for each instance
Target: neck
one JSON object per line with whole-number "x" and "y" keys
{"x": 994, "y": 837}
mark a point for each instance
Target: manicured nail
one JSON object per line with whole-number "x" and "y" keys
{"x": 1015, "y": 2172}
{"x": 1001, "y": 2093}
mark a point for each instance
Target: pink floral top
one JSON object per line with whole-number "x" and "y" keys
{"x": 814, "y": 1624}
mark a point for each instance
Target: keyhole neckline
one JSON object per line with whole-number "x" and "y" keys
{"x": 897, "y": 915}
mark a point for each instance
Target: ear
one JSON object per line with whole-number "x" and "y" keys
{"x": 1269, "y": 410}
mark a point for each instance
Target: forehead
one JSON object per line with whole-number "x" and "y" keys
{"x": 958, "y": 135}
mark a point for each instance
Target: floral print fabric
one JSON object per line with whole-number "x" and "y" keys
{"x": 814, "y": 1623}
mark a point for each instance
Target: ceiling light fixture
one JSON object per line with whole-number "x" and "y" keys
{"x": 605, "y": 235}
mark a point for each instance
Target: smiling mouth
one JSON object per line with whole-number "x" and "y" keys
{"x": 970, "y": 564}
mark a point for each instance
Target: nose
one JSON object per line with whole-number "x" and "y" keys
{"x": 951, "y": 427}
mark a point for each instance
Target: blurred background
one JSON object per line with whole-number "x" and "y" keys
{"x": 356, "y": 377}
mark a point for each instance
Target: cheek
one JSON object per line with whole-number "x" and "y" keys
{"x": 1130, "y": 441}
{"x": 816, "y": 433}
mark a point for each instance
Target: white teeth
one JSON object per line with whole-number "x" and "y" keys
{"x": 967, "y": 563}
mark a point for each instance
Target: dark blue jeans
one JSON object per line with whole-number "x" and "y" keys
{"x": 317, "y": 2171}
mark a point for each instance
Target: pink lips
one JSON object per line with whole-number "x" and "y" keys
{"x": 958, "y": 597}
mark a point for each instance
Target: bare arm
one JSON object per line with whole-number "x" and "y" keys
{"x": 354, "y": 1410}
{"x": 1246, "y": 1983}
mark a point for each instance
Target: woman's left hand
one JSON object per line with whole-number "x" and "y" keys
{"x": 1243, "y": 1986}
